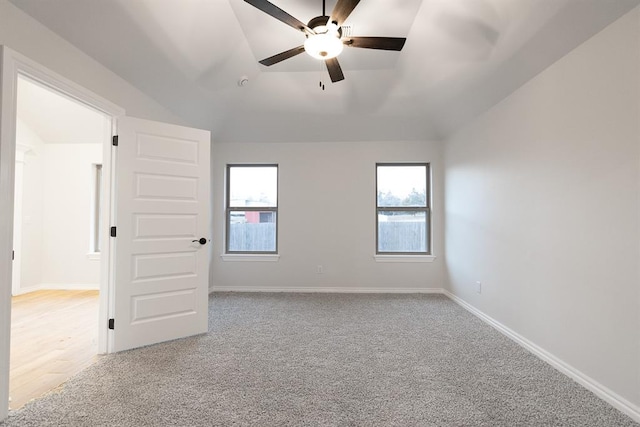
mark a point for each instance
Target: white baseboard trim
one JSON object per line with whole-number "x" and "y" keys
{"x": 589, "y": 383}
{"x": 327, "y": 290}
{"x": 60, "y": 287}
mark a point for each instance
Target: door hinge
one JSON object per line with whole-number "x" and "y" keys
{"x": 13, "y": 255}
{"x": 112, "y": 323}
{"x": 113, "y": 232}
{"x": 114, "y": 140}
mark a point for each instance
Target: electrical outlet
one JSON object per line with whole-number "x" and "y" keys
{"x": 319, "y": 270}
{"x": 479, "y": 287}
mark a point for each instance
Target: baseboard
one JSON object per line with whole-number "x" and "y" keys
{"x": 60, "y": 287}
{"x": 589, "y": 383}
{"x": 327, "y": 290}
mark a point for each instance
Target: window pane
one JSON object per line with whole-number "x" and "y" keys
{"x": 402, "y": 186}
{"x": 251, "y": 231}
{"x": 253, "y": 186}
{"x": 96, "y": 218}
{"x": 401, "y": 231}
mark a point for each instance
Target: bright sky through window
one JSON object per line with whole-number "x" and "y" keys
{"x": 401, "y": 180}
{"x": 254, "y": 184}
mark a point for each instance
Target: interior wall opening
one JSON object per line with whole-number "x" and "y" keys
{"x": 57, "y": 221}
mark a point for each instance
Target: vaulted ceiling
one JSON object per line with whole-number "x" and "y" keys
{"x": 461, "y": 57}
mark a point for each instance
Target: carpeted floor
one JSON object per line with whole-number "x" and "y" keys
{"x": 325, "y": 360}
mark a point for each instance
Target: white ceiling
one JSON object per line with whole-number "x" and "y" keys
{"x": 56, "y": 118}
{"x": 461, "y": 57}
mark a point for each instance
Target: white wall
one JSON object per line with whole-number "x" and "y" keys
{"x": 27, "y": 36}
{"x": 32, "y": 208}
{"x": 326, "y": 217}
{"x": 68, "y": 184}
{"x": 56, "y": 214}
{"x": 542, "y": 206}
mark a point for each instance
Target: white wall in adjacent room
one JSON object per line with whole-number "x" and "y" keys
{"x": 326, "y": 217}
{"x": 56, "y": 214}
{"x": 30, "y": 256}
{"x": 542, "y": 207}
{"x": 67, "y": 191}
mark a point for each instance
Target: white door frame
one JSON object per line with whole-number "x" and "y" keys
{"x": 16, "y": 278}
{"x": 13, "y": 64}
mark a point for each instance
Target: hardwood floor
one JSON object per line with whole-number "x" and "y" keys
{"x": 54, "y": 335}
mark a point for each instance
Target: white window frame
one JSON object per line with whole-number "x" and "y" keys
{"x": 249, "y": 255}
{"x": 399, "y": 256}
{"x": 96, "y": 212}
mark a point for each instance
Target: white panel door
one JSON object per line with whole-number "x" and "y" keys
{"x": 162, "y": 211}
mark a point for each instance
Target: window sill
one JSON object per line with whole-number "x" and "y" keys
{"x": 93, "y": 256}
{"x": 251, "y": 257}
{"x": 404, "y": 258}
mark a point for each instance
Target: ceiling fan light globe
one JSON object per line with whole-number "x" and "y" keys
{"x": 323, "y": 46}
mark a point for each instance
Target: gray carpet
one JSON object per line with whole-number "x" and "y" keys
{"x": 325, "y": 360}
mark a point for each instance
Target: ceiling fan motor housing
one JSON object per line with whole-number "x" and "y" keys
{"x": 318, "y": 21}
{"x": 322, "y": 21}
{"x": 326, "y": 43}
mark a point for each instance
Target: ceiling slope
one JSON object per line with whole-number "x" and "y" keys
{"x": 461, "y": 57}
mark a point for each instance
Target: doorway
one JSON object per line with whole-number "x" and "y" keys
{"x": 169, "y": 165}
{"x": 57, "y": 244}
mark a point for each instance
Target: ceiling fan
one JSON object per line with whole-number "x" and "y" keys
{"x": 324, "y": 38}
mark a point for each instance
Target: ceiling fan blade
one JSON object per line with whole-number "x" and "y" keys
{"x": 383, "y": 43}
{"x": 335, "y": 72}
{"x": 342, "y": 10}
{"x": 276, "y": 12}
{"x": 282, "y": 56}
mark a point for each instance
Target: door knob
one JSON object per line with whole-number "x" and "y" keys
{"x": 202, "y": 241}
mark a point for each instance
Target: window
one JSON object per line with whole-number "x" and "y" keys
{"x": 402, "y": 209}
{"x": 96, "y": 210}
{"x": 252, "y": 209}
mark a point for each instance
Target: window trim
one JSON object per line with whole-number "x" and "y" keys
{"x": 380, "y": 255}
{"x": 250, "y": 257}
{"x": 404, "y": 258}
{"x": 229, "y": 209}
{"x": 95, "y": 241}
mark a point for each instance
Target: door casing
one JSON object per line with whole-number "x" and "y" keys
{"x": 14, "y": 64}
